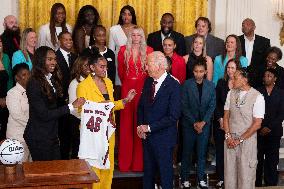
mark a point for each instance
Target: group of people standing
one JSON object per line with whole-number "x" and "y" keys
{"x": 170, "y": 89}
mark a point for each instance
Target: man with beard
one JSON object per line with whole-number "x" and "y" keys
{"x": 155, "y": 39}
{"x": 11, "y": 35}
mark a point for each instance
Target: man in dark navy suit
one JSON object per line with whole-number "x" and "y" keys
{"x": 158, "y": 111}
{"x": 155, "y": 39}
{"x": 254, "y": 48}
{"x": 65, "y": 59}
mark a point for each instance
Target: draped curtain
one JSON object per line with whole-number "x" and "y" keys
{"x": 34, "y": 13}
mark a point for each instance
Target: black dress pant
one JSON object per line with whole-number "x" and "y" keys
{"x": 268, "y": 159}
{"x": 4, "y": 114}
{"x": 219, "y": 137}
{"x": 44, "y": 150}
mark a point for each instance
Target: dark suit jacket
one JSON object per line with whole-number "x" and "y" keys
{"x": 192, "y": 108}
{"x": 42, "y": 125}
{"x": 260, "y": 46}
{"x": 162, "y": 114}
{"x": 214, "y": 45}
{"x": 154, "y": 40}
{"x": 222, "y": 90}
{"x": 65, "y": 70}
{"x": 274, "y": 111}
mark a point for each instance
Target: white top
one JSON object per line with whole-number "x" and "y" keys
{"x": 18, "y": 106}
{"x": 44, "y": 38}
{"x": 249, "y": 48}
{"x": 117, "y": 38}
{"x": 258, "y": 107}
{"x": 65, "y": 55}
{"x": 160, "y": 81}
{"x": 73, "y": 94}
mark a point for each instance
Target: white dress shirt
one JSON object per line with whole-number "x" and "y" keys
{"x": 249, "y": 48}
{"x": 65, "y": 55}
{"x": 160, "y": 81}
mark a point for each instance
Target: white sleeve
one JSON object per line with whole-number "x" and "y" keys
{"x": 13, "y": 102}
{"x": 69, "y": 28}
{"x": 72, "y": 96}
{"x": 259, "y": 107}
{"x": 227, "y": 103}
{"x": 41, "y": 39}
{"x": 111, "y": 42}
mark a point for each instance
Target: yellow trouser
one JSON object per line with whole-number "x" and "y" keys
{"x": 105, "y": 175}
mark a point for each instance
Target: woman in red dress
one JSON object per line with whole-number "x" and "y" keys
{"x": 131, "y": 70}
{"x": 178, "y": 67}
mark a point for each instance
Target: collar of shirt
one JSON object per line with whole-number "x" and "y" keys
{"x": 159, "y": 82}
{"x": 81, "y": 78}
{"x": 20, "y": 88}
{"x": 163, "y": 36}
{"x": 103, "y": 52}
{"x": 65, "y": 55}
{"x": 246, "y": 39}
{"x": 48, "y": 78}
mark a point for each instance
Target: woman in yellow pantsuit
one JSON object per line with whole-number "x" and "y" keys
{"x": 98, "y": 88}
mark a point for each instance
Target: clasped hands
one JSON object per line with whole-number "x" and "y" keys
{"x": 198, "y": 126}
{"x": 232, "y": 143}
{"x": 142, "y": 131}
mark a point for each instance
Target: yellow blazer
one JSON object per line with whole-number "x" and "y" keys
{"x": 89, "y": 90}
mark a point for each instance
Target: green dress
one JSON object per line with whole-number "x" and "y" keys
{"x": 7, "y": 66}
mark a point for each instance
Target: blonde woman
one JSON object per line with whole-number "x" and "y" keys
{"x": 27, "y": 46}
{"x": 131, "y": 71}
{"x": 198, "y": 51}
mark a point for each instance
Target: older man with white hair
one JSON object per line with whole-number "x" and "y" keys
{"x": 158, "y": 111}
{"x": 11, "y": 35}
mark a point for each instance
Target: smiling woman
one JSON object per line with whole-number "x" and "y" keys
{"x": 43, "y": 89}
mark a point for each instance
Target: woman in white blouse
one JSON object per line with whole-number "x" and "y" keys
{"x": 118, "y": 33}
{"x": 80, "y": 71}
{"x": 17, "y": 104}
{"x": 48, "y": 33}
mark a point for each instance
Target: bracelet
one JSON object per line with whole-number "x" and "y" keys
{"x": 227, "y": 136}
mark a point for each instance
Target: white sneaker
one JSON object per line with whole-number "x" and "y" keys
{"x": 220, "y": 184}
{"x": 202, "y": 185}
{"x": 186, "y": 184}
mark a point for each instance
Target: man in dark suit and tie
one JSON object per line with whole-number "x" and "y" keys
{"x": 65, "y": 59}
{"x": 254, "y": 48}
{"x": 158, "y": 112}
{"x": 214, "y": 45}
{"x": 155, "y": 39}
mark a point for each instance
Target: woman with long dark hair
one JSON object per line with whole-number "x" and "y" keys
{"x": 48, "y": 33}
{"x": 88, "y": 17}
{"x": 118, "y": 33}
{"x": 43, "y": 89}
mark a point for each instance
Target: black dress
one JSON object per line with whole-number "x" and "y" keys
{"x": 222, "y": 90}
{"x": 192, "y": 59}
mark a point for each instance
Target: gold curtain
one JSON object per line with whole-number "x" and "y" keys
{"x": 34, "y": 13}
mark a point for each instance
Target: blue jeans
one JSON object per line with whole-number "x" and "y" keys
{"x": 190, "y": 137}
